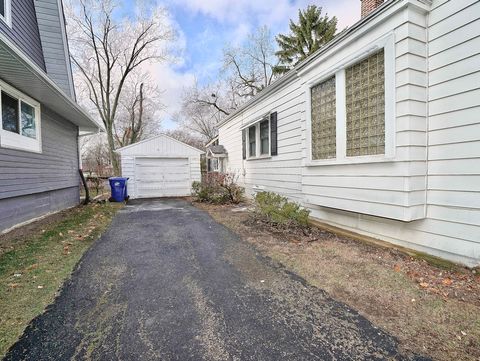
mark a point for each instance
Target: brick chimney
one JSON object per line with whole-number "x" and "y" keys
{"x": 369, "y": 5}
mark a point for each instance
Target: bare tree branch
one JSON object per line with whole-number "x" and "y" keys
{"x": 106, "y": 51}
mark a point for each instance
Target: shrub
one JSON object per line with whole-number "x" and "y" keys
{"x": 219, "y": 189}
{"x": 233, "y": 192}
{"x": 277, "y": 209}
{"x": 201, "y": 192}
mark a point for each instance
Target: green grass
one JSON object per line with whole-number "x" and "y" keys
{"x": 35, "y": 268}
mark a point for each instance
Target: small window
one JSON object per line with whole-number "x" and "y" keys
{"x": 365, "y": 102}
{"x": 20, "y": 120}
{"x": 324, "y": 120}
{"x": 213, "y": 165}
{"x": 252, "y": 141}
{"x": 264, "y": 137}
{"x": 2, "y": 8}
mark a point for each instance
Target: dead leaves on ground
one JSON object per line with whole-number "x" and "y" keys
{"x": 462, "y": 285}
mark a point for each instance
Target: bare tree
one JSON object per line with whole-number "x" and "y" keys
{"x": 187, "y": 137}
{"x": 249, "y": 67}
{"x": 106, "y": 51}
{"x": 216, "y": 96}
{"x": 138, "y": 117}
{"x": 198, "y": 119}
{"x": 96, "y": 157}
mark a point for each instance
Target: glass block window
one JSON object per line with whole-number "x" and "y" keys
{"x": 365, "y": 103}
{"x": 252, "y": 141}
{"x": 323, "y": 102}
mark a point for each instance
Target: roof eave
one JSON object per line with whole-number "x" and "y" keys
{"x": 23, "y": 74}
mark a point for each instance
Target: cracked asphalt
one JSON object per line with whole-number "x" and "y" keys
{"x": 166, "y": 282}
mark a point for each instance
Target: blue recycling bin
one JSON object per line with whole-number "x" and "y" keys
{"x": 118, "y": 186}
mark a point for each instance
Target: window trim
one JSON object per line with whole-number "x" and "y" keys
{"x": 386, "y": 42}
{"x": 8, "y": 13}
{"x": 249, "y": 142}
{"x": 266, "y": 119}
{"x": 258, "y": 148}
{"x": 18, "y": 141}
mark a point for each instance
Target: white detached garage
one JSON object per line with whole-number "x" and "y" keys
{"x": 160, "y": 167}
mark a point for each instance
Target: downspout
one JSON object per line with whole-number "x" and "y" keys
{"x": 427, "y": 125}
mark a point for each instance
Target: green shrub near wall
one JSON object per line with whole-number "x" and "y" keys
{"x": 278, "y": 209}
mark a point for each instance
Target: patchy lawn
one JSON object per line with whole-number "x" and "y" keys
{"x": 36, "y": 259}
{"x": 432, "y": 309}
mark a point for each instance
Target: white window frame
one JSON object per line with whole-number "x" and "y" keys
{"x": 388, "y": 44}
{"x": 258, "y": 146}
{"x": 14, "y": 140}
{"x": 8, "y": 13}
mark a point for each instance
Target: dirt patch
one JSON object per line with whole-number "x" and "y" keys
{"x": 432, "y": 310}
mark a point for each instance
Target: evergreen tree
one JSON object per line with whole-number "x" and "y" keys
{"x": 312, "y": 31}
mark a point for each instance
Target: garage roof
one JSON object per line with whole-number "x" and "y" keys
{"x": 161, "y": 145}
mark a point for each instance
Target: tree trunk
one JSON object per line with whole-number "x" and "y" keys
{"x": 85, "y": 185}
{"x": 111, "y": 150}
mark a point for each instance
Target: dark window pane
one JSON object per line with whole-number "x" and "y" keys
{"x": 2, "y": 8}
{"x": 264, "y": 143}
{"x": 28, "y": 121}
{"x": 252, "y": 150}
{"x": 9, "y": 113}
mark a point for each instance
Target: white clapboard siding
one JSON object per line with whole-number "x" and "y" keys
{"x": 427, "y": 197}
{"x": 160, "y": 167}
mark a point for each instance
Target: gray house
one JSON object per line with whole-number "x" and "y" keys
{"x": 40, "y": 119}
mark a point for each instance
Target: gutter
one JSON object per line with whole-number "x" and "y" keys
{"x": 294, "y": 73}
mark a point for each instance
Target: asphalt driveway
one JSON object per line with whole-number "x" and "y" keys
{"x": 166, "y": 282}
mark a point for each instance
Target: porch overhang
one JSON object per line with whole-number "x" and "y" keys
{"x": 23, "y": 74}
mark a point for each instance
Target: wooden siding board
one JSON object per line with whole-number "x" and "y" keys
{"x": 455, "y": 21}
{"x": 56, "y": 167}
{"x": 53, "y": 40}
{"x": 24, "y": 31}
{"x": 23, "y": 208}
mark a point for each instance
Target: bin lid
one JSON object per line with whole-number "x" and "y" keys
{"x": 118, "y": 178}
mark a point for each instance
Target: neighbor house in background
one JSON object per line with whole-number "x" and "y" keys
{"x": 378, "y": 132}
{"x": 40, "y": 120}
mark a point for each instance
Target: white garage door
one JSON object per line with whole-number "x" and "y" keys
{"x": 162, "y": 177}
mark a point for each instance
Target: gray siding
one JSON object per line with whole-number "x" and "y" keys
{"x": 24, "y": 31}
{"x": 32, "y": 184}
{"x": 51, "y": 24}
{"x": 21, "y": 209}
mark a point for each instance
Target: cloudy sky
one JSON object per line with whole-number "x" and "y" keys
{"x": 205, "y": 27}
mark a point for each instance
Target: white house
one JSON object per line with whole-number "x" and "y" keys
{"x": 160, "y": 167}
{"x": 378, "y": 132}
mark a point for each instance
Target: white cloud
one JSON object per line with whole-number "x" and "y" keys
{"x": 238, "y": 18}
{"x": 274, "y": 13}
{"x": 172, "y": 84}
